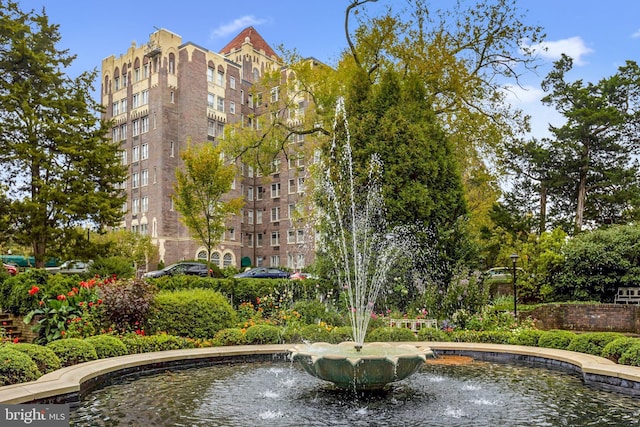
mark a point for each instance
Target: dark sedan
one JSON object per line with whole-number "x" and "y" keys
{"x": 190, "y": 268}
{"x": 264, "y": 273}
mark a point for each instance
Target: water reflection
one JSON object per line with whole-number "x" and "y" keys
{"x": 280, "y": 394}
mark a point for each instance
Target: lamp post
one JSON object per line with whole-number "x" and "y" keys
{"x": 514, "y": 258}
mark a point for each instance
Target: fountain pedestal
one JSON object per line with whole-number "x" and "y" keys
{"x": 372, "y": 367}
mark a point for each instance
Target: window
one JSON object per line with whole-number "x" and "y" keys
{"x": 136, "y": 127}
{"x": 275, "y": 260}
{"x": 300, "y": 238}
{"x": 123, "y": 157}
{"x": 202, "y": 255}
{"x": 275, "y": 94}
{"x": 211, "y": 127}
{"x": 116, "y": 83}
{"x": 258, "y": 217}
{"x": 144, "y": 177}
{"x": 300, "y": 184}
{"x": 123, "y": 131}
{"x": 172, "y": 63}
{"x": 115, "y": 108}
{"x": 215, "y": 258}
{"x": 275, "y": 190}
{"x": 115, "y": 133}
{"x": 135, "y": 206}
{"x": 260, "y": 193}
{"x": 232, "y": 82}
{"x": 145, "y": 204}
{"x": 232, "y": 107}
{"x": 220, "y": 130}
{"x": 259, "y": 240}
{"x": 145, "y": 70}
{"x": 124, "y": 79}
{"x": 241, "y": 97}
{"x": 144, "y": 151}
{"x": 250, "y": 216}
{"x": 172, "y": 148}
{"x": 226, "y": 260}
{"x": 220, "y": 80}
{"x": 221, "y": 104}
{"x": 145, "y": 97}
{"x": 275, "y": 238}
{"x": 135, "y": 153}
{"x": 124, "y": 207}
{"x": 232, "y": 234}
{"x": 135, "y": 180}
{"x": 250, "y": 240}
{"x": 210, "y": 74}
{"x": 144, "y": 124}
{"x": 275, "y": 214}
{"x": 211, "y": 98}
{"x": 135, "y": 100}
{"x": 136, "y": 73}
{"x": 291, "y": 236}
{"x": 123, "y": 105}
{"x": 292, "y": 186}
{"x": 250, "y": 100}
{"x": 250, "y": 193}
{"x": 275, "y": 166}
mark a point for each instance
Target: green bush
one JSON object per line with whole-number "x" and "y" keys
{"x": 113, "y": 266}
{"x": 148, "y": 343}
{"x": 558, "y": 339}
{"x": 464, "y": 335}
{"x": 192, "y": 313}
{"x": 494, "y": 337}
{"x": 616, "y": 348}
{"x": 72, "y": 351}
{"x": 315, "y": 333}
{"x": 16, "y": 367}
{"x": 15, "y": 296}
{"x": 592, "y": 342}
{"x": 528, "y": 337}
{"x": 229, "y": 336}
{"x": 46, "y": 360}
{"x": 107, "y": 346}
{"x": 433, "y": 334}
{"x": 341, "y": 333}
{"x": 388, "y": 333}
{"x": 314, "y": 311}
{"x": 263, "y": 334}
{"x": 631, "y": 356}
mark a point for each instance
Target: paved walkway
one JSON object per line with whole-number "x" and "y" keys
{"x": 68, "y": 383}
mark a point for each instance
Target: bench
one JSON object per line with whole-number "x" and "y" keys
{"x": 414, "y": 324}
{"x": 628, "y": 295}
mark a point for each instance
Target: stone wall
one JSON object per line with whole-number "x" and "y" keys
{"x": 588, "y": 317}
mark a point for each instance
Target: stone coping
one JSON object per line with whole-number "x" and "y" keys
{"x": 57, "y": 385}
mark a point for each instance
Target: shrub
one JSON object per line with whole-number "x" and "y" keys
{"x": 16, "y": 367}
{"x": 616, "y": 348}
{"x": 556, "y": 339}
{"x": 114, "y": 266}
{"x": 465, "y": 336}
{"x": 314, "y": 311}
{"x": 263, "y": 334}
{"x": 631, "y": 356}
{"x": 433, "y": 334}
{"x": 126, "y": 304}
{"x": 341, "y": 333}
{"x": 107, "y": 346}
{"x": 15, "y": 295}
{"x": 45, "y": 358}
{"x": 592, "y": 342}
{"x": 528, "y": 337}
{"x": 229, "y": 336}
{"x": 315, "y": 333}
{"x": 160, "y": 342}
{"x": 193, "y": 313}
{"x": 72, "y": 351}
{"x": 388, "y": 333}
{"x": 494, "y": 337}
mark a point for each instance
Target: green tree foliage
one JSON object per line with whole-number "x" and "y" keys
{"x": 596, "y": 147}
{"x": 200, "y": 193}
{"x": 58, "y": 162}
{"x": 597, "y": 263}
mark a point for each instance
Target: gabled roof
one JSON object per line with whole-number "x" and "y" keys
{"x": 254, "y": 38}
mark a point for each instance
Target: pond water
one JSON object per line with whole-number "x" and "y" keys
{"x": 282, "y": 394}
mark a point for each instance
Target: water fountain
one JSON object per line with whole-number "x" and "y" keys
{"x": 362, "y": 250}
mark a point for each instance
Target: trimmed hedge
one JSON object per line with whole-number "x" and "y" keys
{"x": 192, "y": 313}
{"x": 616, "y": 348}
{"x": 229, "y": 336}
{"x": 72, "y": 351}
{"x": 161, "y": 342}
{"x": 16, "y": 367}
{"x": 433, "y": 334}
{"x": 631, "y": 356}
{"x": 315, "y": 333}
{"x": 107, "y": 346}
{"x": 388, "y": 333}
{"x": 528, "y": 337}
{"x": 263, "y": 334}
{"x": 592, "y": 342}
{"x": 341, "y": 333}
{"x": 45, "y": 358}
{"x": 557, "y": 339}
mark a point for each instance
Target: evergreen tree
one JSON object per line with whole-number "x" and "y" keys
{"x": 60, "y": 167}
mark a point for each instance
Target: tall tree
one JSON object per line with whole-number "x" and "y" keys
{"x": 200, "y": 193}
{"x": 61, "y": 168}
{"x": 598, "y": 143}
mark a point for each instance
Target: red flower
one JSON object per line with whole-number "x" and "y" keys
{"x": 81, "y": 303}
{"x": 61, "y": 297}
{"x": 41, "y": 303}
{"x": 90, "y": 303}
{"x": 16, "y": 340}
{"x": 34, "y": 290}
{"x": 99, "y": 301}
{"x": 71, "y": 293}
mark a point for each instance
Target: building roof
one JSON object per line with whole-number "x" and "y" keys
{"x": 253, "y": 37}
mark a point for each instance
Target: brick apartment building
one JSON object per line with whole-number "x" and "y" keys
{"x": 167, "y": 92}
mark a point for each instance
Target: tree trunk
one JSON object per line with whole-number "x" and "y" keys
{"x": 543, "y": 208}
{"x": 582, "y": 189}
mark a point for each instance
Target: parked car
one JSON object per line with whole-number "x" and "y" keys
{"x": 299, "y": 275}
{"x": 11, "y": 269}
{"x": 74, "y": 267}
{"x": 190, "y": 268}
{"x": 264, "y": 273}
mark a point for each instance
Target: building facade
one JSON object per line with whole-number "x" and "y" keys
{"x": 167, "y": 93}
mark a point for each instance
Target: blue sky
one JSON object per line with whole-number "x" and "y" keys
{"x": 599, "y": 35}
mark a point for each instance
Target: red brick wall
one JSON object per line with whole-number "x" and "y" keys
{"x": 588, "y": 317}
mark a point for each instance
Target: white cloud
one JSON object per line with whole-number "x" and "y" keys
{"x": 522, "y": 94}
{"x": 235, "y": 26}
{"x": 636, "y": 34}
{"x": 552, "y": 50}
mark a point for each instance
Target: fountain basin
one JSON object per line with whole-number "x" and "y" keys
{"x": 372, "y": 367}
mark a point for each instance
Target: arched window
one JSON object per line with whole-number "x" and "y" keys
{"x": 227, "y": 259}
{"x": 172, "y": 63}
{"x": 215, "y": 258}
{"x": 202, "y": 255}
